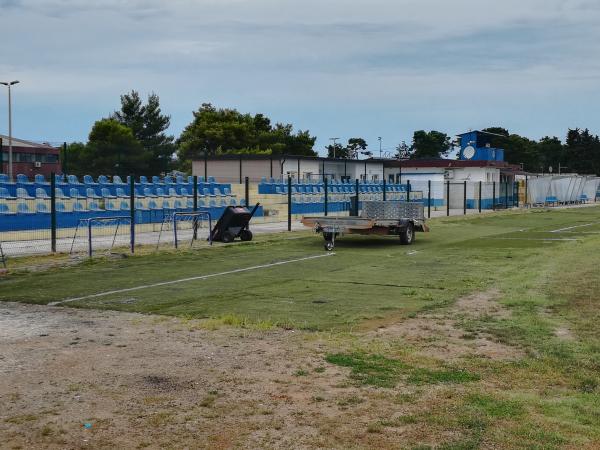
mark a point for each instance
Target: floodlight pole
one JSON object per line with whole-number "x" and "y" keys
{"x": 379, "y": 139}
{"x": 10, "y": 154}
{"x": 333, "y": 139}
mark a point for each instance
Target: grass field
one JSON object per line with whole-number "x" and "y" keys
{"x": 539, "y": 271}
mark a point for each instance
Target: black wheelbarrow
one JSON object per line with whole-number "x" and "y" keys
{"x": 234, "y": 223}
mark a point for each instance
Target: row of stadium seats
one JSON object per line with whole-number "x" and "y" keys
{"x": 103, "y": 179}
{"x": 318, "y": 187}
{"x": 118, "y": 192}
{"x": 41, "y": 207}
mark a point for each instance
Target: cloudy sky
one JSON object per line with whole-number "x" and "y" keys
{"x": 340, "y": 68}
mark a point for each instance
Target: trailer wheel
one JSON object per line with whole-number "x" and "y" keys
{"x": 246, "y": 235}
{"x": 227, "y": 237}
{"x": 407, "y": 235}
{"x": 329, "y": 245}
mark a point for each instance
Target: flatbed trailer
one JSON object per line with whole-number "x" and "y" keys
{"x": 390, "y": 218}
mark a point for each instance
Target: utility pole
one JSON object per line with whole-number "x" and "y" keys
{"x": 10, "y": 155}
{"x": 333, "y": 139}
{"x": 379, "y": 139}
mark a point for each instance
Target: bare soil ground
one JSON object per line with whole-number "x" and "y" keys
{"x": 95, "y": 379}
{"x": 440, "y": 335}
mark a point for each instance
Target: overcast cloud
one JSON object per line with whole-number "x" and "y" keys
{"x": 340, "y": 68}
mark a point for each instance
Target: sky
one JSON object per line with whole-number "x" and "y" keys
{"x": 339, "y": 68}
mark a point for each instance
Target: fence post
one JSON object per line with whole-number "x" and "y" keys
{"x": 493, "y": 195}
{"x": 447, "y": 198}
{"x": 515, "y": 188}
{"x": 289, "y": 183}
{"x": 356, "y": 199}
{"x": 53, "y": 212}
{"x": 326, "y": 193}
{"x": 195, "y": 190}
{"x": 506, "y": 195}
{"x": 526, "y": 193}
{"x": 132, "y": 211}
{"x": 480, "y": 195}
{"x": 247, "y": 191}
{"x": 408, "y": 190}
{"x": 384, "y": 189}
{"x": 465, "y": 201}
{"x": 429, "y": 199}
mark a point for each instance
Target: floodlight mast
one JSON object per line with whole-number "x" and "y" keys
{"x": 10, "y": 152}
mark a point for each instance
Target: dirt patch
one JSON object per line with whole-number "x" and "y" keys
{"x": 83, "y": 378}
{"x": 440, "y": 336}
{"x": 564, "y": 333}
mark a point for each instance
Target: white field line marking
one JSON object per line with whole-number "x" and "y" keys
{"x": 531, "y": 239}
{"x": 414, "y": 252}
{"x": 575, "y": 226}
{"x": 184, "y": 280}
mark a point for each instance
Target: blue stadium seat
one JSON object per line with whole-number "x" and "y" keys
{"x": 124, "y": 205}
{"x": 23, "y": 208}
{"x": 137, "y": 193}
{"x": 41, "y": 193}
{"x": 72, "y": 179}
{"x": 185, "y": 192}
{"x": 74, "y": 193}
{"x": 139, "y": 205}
{"x": 232, "y": 201}
{"x": 4, "y": 193}
{"x": 5, "y": 210}
{"x": 22, "y": 193}
{"x": 121, "y": 193}
{"x": 117, "y": 180}
{"x": 22, "y": 179}
{"x": 178, "y": 204}
{"x": 39, "y": 179}
{"x": 148, "y": 193}
{"x": 41, "y": 208}
{"x": 173, "y": 192}
{"x": 58, "y": 193}
{"x": 106, "y": 193}
{"x": 91, "y": 193}
{"x": 201, "y": 203}
{"x": 110, "y": 206}
{"x": 61, "y": 207}
{"x": 78, "y": 207}
{"x": 94, "y": 206}
{"x": 207, "y": 193}
{"x": 87, "y": 179}
{"x": 4, "y": 179}
{"x": 143, "y": 180}
{"x": 160, "y": 192}
{"x": 102, "y": 179}
{"x": 166, "y": 204}
{"x": 152, "y": 205}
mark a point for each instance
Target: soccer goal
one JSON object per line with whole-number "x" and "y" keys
{"x": 186, "y": 227}
{"x": 102, "y": 233}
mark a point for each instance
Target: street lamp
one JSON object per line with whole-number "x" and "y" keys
{"x": 10, "y": 160}
{"x": 333, "y": 139}
{"x": 379, "y": 139}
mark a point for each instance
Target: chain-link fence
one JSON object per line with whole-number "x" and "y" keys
{"x": 65, "y": 214}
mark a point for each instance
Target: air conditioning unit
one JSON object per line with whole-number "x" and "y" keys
{"x": 448, "y": 175}
{"x": 37, "y": 164}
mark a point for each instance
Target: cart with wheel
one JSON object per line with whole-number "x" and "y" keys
{"x": 234, "y": 223}
{"x": 390, "y": 218}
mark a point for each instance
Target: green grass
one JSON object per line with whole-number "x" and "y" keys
{"x": 549, "y": 398}
{"x": 368, "y": 278}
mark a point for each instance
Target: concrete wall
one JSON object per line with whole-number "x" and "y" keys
{"x": 229, "y": 170}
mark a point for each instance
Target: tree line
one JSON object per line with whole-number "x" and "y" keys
{"x": 134, "y": 139}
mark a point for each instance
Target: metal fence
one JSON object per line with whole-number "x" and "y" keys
{"x": 66, "y": 215}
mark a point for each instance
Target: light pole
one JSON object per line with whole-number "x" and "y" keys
{"x": 10, "y": 161}
{"x": 379, "y": 139}
{"x": 333, "y": 139}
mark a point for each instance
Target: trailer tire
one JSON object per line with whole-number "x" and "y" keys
{"x": 329, "y": 245}
{"x": 246, "y": 235}
{"x": 407, "y": 234}
{"x": 227, "y": 237}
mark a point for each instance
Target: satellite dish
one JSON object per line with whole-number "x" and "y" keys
{"x": 469, "y": 152}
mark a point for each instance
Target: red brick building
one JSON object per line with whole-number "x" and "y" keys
{"x": 30, "y": 158}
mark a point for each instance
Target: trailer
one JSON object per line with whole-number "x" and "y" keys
{"x": 383, "y": 218}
